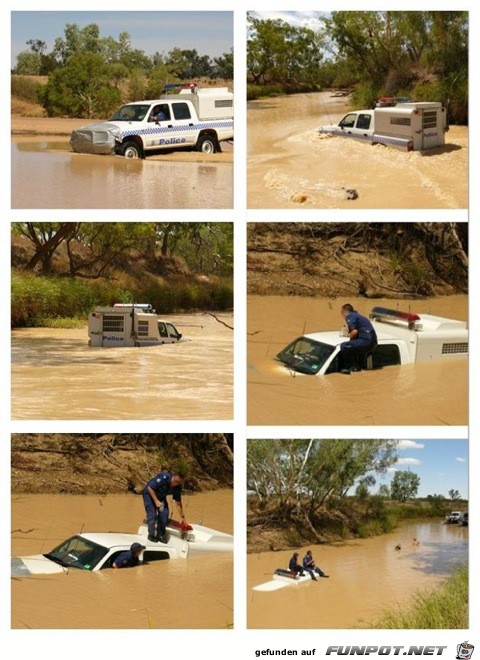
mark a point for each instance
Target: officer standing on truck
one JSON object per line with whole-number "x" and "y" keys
{"x": 156, "y": 503}
{"x": 363, "y": 340}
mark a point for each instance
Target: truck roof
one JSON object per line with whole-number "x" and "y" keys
{"x": 116, "y": 539}
{"x": 408, "y": 108}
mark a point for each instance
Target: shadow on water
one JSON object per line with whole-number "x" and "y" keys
{"x": 447, "y": 149}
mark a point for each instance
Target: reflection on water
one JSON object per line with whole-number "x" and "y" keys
{"x": 288, "y": 161}
{"x": 56, "y": 375}
{"x": 366, "y": 576}
{"x": 66, "y": 180}
{"x": 426, "y": 393}
{"x": 135, "y": 598}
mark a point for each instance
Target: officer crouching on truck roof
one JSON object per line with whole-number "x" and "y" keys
{"x": 363, "y": 340}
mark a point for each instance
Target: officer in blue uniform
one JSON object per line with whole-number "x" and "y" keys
{"x": 309, "y": 565}
{"x": 129, "y": 558}
{"x": 156, "y": 504}
{"x": 363, "y": 340}
{"x": 294, "y": 566}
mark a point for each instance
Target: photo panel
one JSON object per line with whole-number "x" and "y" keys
{"x": 378, "y": 529}
{"x": 126, "y": 513}
{"x": 122, "y": 109}
{"x": 122, "y": 320}
{"x": 357, "y": 323}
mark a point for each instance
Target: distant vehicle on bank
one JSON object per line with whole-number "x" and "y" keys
{"x": 403, "y": 338}
{"x": 395, "y": 123}
{"x": 192, "y": 117}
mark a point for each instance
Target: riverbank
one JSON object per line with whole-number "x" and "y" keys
{"x": 444, "y": 608}
{"x": 65, "y": 302}
{"x": 271, "y": 530}
{"x": 371, "y": 260}
{"x": 88, "y": 464}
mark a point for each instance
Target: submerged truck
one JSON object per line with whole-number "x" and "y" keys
{"x": 191, "y": 117}
{"x": 129, "y": 325}
{"x": 403, "y": 338}
{"x": 407, "y": 126}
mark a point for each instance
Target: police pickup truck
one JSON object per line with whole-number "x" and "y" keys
{"x": 403, "y": 338}
{"x": 193, "y": 117}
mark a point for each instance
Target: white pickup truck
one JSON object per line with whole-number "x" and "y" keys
{"x": 403, "y": 338}
{"x": 129, "y": 325}
{"x": 98, "y": 550}
{"x": 195, "y": 118}
{"x": 407, "y": 126}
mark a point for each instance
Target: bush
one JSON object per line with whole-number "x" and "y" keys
{"x": 25, "y": 87}
{"x": 81, "y": 89}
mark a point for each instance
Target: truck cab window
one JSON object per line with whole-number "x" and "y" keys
{"x": 162, "y": 329}
{"x": 172, "y": 331}
{"x": 181, "y": 111}
{"x": 386, "y": 355}
{"x": 348, "y": 121}
{"x": 160, "y": 113}
{"x": 364, "y": 121}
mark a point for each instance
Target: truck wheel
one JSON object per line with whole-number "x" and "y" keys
{"x": 131, "y": 150}
{"x": 207, "y": 144}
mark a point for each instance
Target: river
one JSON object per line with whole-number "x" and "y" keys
{"x": 366, "y": 576}
{"x": 46, "y": 174}
{"x": 196, "y": 592}
{"x": 291, "y": 166}
{"x": 56, "y": 375}
{"x": 428, "y": 393}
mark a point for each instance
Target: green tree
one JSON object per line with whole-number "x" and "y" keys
{"x": 405, "y": 485}
{"x": 454, "y": 494}
{"x": 384, "y": 491}
{"x": 82, "y": 88}
{"x": 223, "y": 66}
{"x": 46, "y": 238}
{"x": 28, "y": 63}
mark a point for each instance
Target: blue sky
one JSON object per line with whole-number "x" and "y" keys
{"x": 440, "y": 464}
{"x": 296, "y": 18}
{"x": 210, "y": 33}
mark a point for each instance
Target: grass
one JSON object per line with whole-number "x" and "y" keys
{"x": 444, "y": 608}
{"x": 64, "y": 302}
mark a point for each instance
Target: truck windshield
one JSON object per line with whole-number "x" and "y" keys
{"x": 131, "y": 113}
{"x": 77, "y": 552}
{"x": 305, "y": 355}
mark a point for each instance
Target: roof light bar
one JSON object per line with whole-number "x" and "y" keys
{"x": 145, "y": 306}
{"x": 394, "y": 315}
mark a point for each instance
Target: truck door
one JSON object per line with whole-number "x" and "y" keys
{"x": 158, "y": 122}
{"x": 173, "y": 333}
{"x": 348, "y": 123}
{"x": 183, "y": 124}
{"x": 363, "y": 124}
{"x": 430, "y": 129}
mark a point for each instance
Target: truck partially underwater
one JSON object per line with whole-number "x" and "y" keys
{"x": 199, "y": 118}
{"x": 403, "y": 338}
{"x": 130, "y": 325}
{"x": 404, "y": 125}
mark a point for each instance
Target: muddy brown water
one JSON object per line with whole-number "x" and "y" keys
{"x": 367, "y": 576}
{"x": 196, "y": 592}
{"x": 429, "y": 393}
{"x": 46, "y": 174}
{"x": 288, "y": 161}
{"x": 56, "y": 375}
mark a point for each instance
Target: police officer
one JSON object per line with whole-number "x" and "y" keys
{"x": 156, "y": 504}
{"x": 363, "y": 339}
{"x": 294, "y": 566}
{"x": 130, "y": 557}
{"x": 311, "y": 568}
